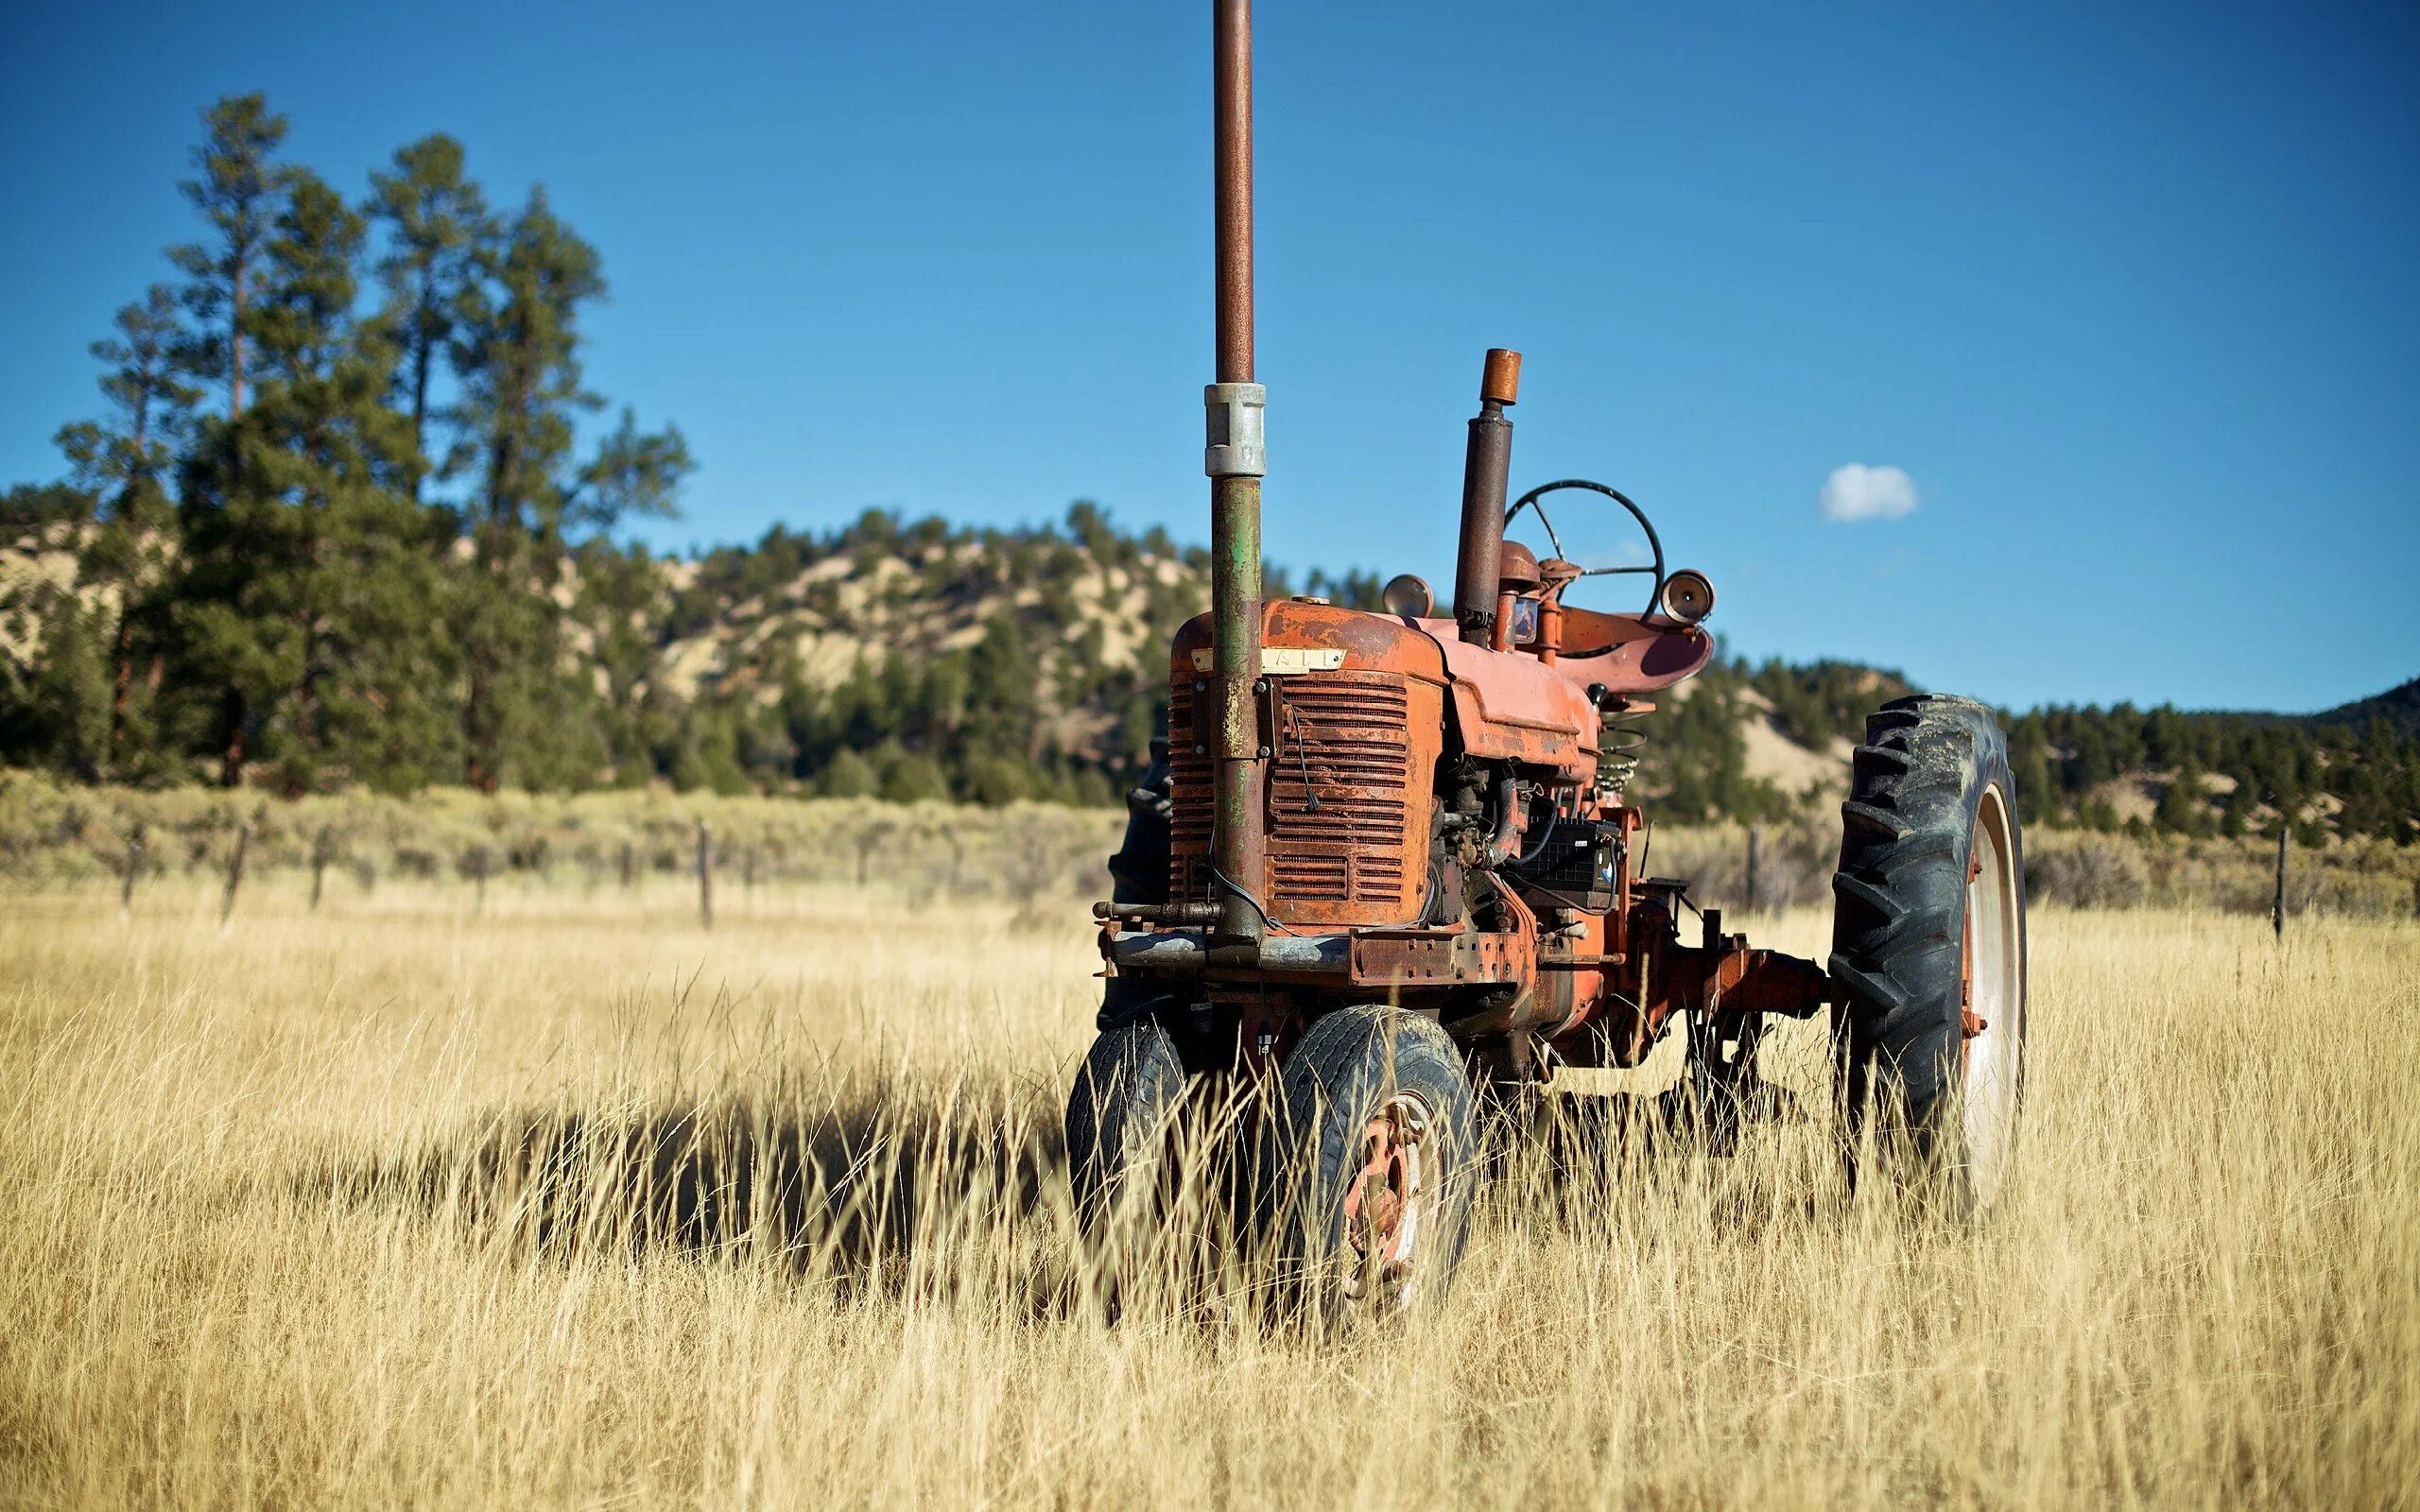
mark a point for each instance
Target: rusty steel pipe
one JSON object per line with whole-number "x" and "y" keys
{"x": 1487, "y": 465}
{"x": 1231, "y": 131}
{"x": 1240, "y": 839}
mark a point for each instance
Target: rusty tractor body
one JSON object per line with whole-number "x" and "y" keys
{"x": 1390, "y": 868}
{"x": 1442, "y": 826}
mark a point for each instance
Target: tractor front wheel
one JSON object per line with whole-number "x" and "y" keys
{"x": 1122, "y": 1122}
{"x": 1371, "y": 1164}
{"x": 1928, "y": 951}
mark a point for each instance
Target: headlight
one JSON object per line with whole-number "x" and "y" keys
{"x": 1688, "y": 596}
{"x": 1408, "y": 596}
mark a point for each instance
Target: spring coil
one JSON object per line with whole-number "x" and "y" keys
{"x": 1619, "y": 740}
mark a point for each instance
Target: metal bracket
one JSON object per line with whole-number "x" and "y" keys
{"x": 1231, "y": 419}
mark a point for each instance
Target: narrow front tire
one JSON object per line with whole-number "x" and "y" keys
{"x": 1373, "y": 1162}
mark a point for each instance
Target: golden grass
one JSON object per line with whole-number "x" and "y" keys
{"x": 396, "y": 1207}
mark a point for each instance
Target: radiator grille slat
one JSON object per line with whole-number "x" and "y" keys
{"x": 1345, "y": 803}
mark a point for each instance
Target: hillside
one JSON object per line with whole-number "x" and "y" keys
{"x": 2398, "y": 706}
{"x": 917, "y": 660}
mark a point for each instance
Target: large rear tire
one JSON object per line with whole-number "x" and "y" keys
{"x": 1928, "y": 965}
{"x": 1372, "y": 1161}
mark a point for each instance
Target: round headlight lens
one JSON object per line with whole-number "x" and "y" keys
{"x": 1688, "y": 596}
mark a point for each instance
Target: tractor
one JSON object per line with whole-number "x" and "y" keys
{"x": 1386, "y": 871}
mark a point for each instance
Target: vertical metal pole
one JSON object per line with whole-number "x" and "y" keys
{"x": 1234, "y": 464}
{"x": 321, "y": 848}
{"x": 235, "y": 874}
{"x": 134, "y": 867}
{"x": 2277, "y": 905}
{"x": 1752, "y": 871}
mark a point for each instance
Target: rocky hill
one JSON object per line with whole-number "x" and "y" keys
{"x": 917, "y": 660}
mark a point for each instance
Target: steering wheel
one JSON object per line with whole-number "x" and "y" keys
{"x": 1654, "y": 589}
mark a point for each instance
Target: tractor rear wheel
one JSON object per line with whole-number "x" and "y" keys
{"x": 1929, "y": 953}
{"x": 1371, "y": 1164}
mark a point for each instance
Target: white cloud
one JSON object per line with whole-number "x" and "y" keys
{"x": 1858, "y": 491}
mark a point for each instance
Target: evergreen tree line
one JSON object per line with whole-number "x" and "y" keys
{"x": 2227, "y": 774}
{"x": 2207, "y": 773}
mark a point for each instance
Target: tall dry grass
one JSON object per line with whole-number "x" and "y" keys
{"x": 571, "y": 1204}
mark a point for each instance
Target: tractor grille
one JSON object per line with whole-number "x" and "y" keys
{"x": 1348, "y": 797}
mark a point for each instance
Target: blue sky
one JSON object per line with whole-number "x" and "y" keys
{"x": 2128, "y": 298}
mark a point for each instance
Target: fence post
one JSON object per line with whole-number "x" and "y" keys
{"x": 705, "y": 875}
{"x": 630, "y": 865}
{"x": 320, "y": 849}
{"x": 135, "y": 865}
{"x": 235, "y": 873}
{"x": 2277, "y": 904}
{"x": 1752, "y": 838}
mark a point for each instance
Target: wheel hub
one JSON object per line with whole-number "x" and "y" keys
{"x": 1384, "y": 1202}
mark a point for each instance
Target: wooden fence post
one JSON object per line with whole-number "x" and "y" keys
{"x": 321, "y": 848}
{"x": 630, "y": 865}
{"x": 2277, "y": 905}
{"x": 134, "y": 865}
{"x": 235, "y": 873}
{"x": 1752, "y": 838}
{"x": 705, "y": 875}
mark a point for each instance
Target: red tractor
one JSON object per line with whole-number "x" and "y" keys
{"x": 1386, "y": 872}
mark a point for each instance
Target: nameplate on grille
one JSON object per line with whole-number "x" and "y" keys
{"x": 1280, "y": 661}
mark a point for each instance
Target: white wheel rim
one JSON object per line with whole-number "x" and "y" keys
{"x": 1994, "y": 1057}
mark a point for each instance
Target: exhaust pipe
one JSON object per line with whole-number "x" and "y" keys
{"x": 1486, "y": 466}
{"x": 1236, "y": 459}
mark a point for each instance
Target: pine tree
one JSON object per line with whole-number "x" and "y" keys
{"x": 848, "y": 775}
{"x": 124, "y": 458}
{"x": 235, "y": 189}
{"x": 311, "y": 581}
{"x": 518, "y": 353}
{"x": 437, "y": 221}
{"x": 2181, "y": 808}
{"x": 64, "y": 722}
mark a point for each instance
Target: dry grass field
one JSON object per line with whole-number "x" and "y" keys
{"x": 395, "y": 1206}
